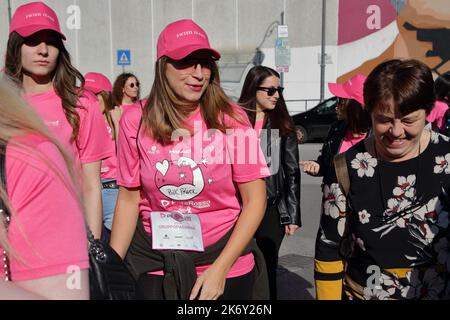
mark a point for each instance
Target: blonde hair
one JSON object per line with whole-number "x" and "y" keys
{"x": 18, "y": 119}
{"x": 163, "y": 111}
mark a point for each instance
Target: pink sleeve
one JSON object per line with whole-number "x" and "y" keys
{"x": 437, "y": 114}
{"x": 248, "y": 163}
{"x": 47, "y": 232}
{"x": 127, "y": 153}
{"x": 93, "y": 133}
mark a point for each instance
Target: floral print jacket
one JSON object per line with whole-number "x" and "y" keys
{"x": 395, "y": 218}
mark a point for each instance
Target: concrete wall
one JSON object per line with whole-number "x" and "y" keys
{"x": 235, "y": 28}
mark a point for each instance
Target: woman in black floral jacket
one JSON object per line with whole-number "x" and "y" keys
{"x": 396, "y": 212}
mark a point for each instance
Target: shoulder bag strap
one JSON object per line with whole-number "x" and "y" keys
{"x": 340, "y": 166}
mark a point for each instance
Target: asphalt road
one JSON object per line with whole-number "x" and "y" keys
{"x": 295, "y": 271}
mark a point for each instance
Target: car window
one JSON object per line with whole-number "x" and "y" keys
{"x": 328, "y": 106}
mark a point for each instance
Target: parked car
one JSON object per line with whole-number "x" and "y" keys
{"x": 315, "y": 123}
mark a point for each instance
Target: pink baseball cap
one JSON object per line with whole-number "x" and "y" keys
{"x": 33, "y": 17}
{"x": 352, "y": 89}
{"x": 181, "y": 38}
{"x": 97, "y": 82}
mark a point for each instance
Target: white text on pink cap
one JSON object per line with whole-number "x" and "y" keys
{"x": 38, "y": 14}
{"x": 187, "y": 33}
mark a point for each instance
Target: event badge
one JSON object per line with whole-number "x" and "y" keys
{"x": 176, "y": 231}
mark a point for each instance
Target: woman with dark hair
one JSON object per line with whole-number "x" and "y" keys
{"x": 125, "y": 90}
{"x": 386, "y": 237}
{"x": 183, "y": 238}
{"x": 262, "y": 99}
{"x": 38, "y": 62}
{"x": 352, "y": 126}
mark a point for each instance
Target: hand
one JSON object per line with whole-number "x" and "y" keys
{"x": 210, "y": 284}
{"x": 310, "y": 167}
{"x": 290, "y": 229}
{"x": 116, "y": 113}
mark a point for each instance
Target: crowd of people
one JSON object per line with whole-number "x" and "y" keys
{"x": 196, "y": 192}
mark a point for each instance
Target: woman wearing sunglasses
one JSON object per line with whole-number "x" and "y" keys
{"x": 38, "y": 61}
{"x": 263, "y": 101}
{"x": 125, "y": 90}
{"x": 188, "y": 205}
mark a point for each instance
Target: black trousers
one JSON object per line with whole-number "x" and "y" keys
{"x": 150, "y": 287}
{"x": 269, "y": 236}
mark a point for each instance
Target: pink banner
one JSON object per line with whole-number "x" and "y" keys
{"x": 359, "y": 18}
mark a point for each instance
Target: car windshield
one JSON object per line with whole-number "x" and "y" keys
{"x": 327, "y": 107}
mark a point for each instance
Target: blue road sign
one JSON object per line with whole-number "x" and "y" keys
{"x": 123, "y": 57}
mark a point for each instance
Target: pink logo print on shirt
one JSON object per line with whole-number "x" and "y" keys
{"x": 186, "y": 172}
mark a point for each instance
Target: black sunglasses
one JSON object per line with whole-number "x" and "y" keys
{"x": 193, "y": 62}
{"x": 271, "y": 91}
{"x": 134, "y": 84}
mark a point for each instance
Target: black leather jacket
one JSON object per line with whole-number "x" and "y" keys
{"x": 283, "y": 186}
{"x": 330, "y": 148}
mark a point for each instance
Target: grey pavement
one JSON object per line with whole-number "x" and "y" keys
{"x": 295, "y": 274}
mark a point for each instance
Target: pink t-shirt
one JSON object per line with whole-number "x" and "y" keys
{"x": 349, "y": 141}
{"x": 137, "y": 104}
{"x": 47, "y": 233}
{"x": 206, "y": 186}
{"x": 259, "y": 125}
{"x": 437, "y": 114}
{"x": 109, "y": 165}
{"x": 89, "y": 145}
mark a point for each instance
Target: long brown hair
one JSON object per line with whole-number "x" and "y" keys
{"x": 162, "y": 113}
{"x": 119, "y": 84}
{"x": 279, "y": 116}
{"x": 18, "y": 119}
{"x": 64, "y": 79}
{"x": 108, "y": 104}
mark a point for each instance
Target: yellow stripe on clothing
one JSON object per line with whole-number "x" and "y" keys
{"x": 328, "y": 266}
{"x": 328, "y": 290}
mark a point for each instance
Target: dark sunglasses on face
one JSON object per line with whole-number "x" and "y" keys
{"x": 134, "y": 84}
{"x": 271, "y": 91}
{"x": 193, "y": 62}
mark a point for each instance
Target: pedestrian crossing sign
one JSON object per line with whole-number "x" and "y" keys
{"x": 123, "y": 57}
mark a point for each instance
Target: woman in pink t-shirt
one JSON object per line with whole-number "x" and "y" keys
{"x": 190, "y": 173}
{"x": 126, "y": 91}
{"x": 101, "y": 87}
{"x": 37, "y": 60}
{"x": 43, "y": 247}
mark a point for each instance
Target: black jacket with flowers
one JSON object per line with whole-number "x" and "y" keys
{"x": 397, "y": 216}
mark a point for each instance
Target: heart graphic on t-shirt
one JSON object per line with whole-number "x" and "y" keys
{"x": 162, "y": 167}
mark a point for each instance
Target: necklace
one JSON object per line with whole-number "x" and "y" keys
{"x": 5, "y": 256}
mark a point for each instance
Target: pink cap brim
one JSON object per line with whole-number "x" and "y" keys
{"x": 338, "y": 90}
{"x": 183, "y": 52}
{"x": 29, "y": 30}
